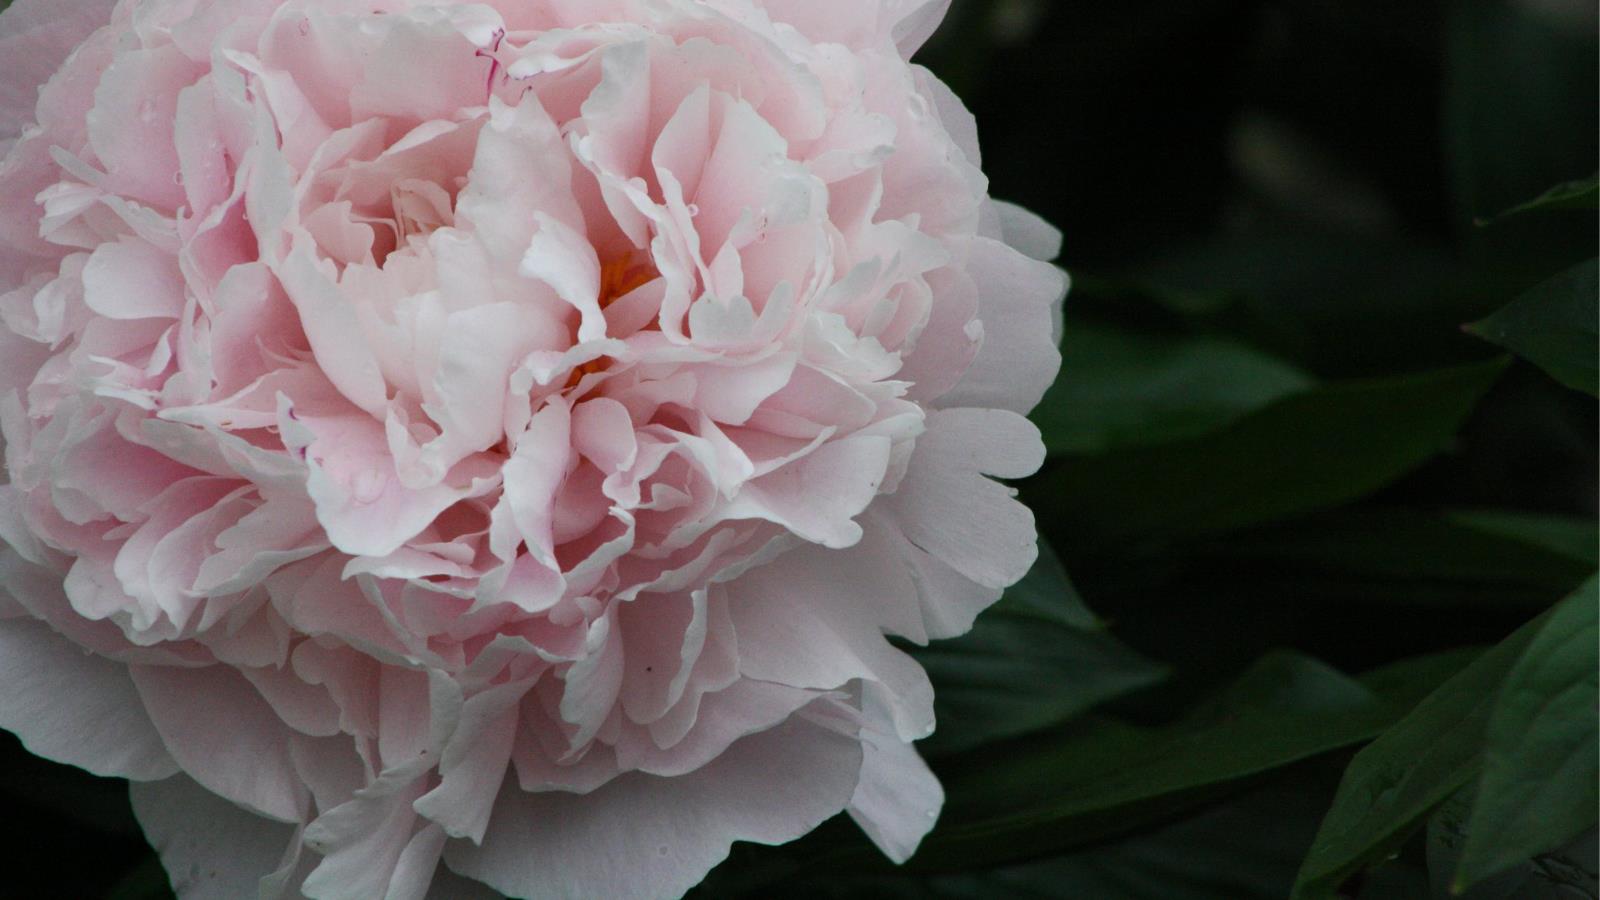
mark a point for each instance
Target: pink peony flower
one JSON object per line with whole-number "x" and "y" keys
{"x": 492, "y": 442}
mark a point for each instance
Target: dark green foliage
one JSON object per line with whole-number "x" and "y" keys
{"x": 1556, "y": 326}
{"x": 1037, "y": 658}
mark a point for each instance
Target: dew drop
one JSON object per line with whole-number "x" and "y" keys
{"x": 177, "y": 178}
{"x": 694, "y": 210}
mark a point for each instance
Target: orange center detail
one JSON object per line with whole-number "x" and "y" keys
{"x": 618, "y": 278}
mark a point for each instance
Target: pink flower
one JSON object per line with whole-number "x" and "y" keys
{"x": 500, "y": 433}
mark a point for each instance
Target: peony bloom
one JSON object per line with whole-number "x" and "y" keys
{"x": 462, "y": 444}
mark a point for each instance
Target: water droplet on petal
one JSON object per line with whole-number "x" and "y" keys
{"x": 177, "y": 178}
{"x": 694, "y": 210}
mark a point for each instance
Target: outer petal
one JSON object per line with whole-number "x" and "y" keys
{"x": 1019, "y": 358}
{"x": 946, "y": 506}
{"x": 35, "y": 38}
{"x": 225, "y": 735}
{"x": 474, "y": 763}
{"x": 72, "y": 707}
{"x": 365, "y": 840}
{"x": 915, "y": 22}
{"x": 1028, "y": 232}
{"x": 858, "y": 23}
{"x": 800, "y": 624}
{"x": 558, "y": 845}
{"x": 898, "y": 798}
{"x": 214, "y": 850}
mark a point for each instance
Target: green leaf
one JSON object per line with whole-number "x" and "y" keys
{"x": 1247, "y": 848}
{"x": 1408, "y": 557}
{"x": 1581, "y": 194}
{"x": 1519, "y": 102}
{"x": 1540, "y": 786}
{"x": 1119, "y": 389}
{"x": 1313, "y": 450}
{"x": 1036, "y": 659}
{"x": 1105, "y": 777}
{"x": 1520, "y": 114}
{"x": 1392, "y": 786}
{"x": 1554, "y": 326}
{"x": 1575, "y": 539}
{"x": 1286, "y": 287}
{"x": 1567, "y": 873}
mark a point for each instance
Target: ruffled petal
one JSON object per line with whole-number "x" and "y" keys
{"x": 557, "y": 845}
{"x": 947, "y": 507}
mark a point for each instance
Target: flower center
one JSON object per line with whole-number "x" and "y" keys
{"x": 623, "y": 276}
{"x": 618, "y": 278}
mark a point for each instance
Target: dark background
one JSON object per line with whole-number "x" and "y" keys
{"x": 1301, "y": 176}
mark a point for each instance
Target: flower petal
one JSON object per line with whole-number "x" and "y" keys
{"x": 225, "y": 736}
{"x": 1019, "y": 305}
{"x": 557, "y": 845}
{"x": 214, "y": 850}
{"x": 948, "y": 508}
{"x": 73, "y": 707}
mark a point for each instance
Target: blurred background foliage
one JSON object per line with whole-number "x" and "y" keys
{"x": 1323, "y": 474}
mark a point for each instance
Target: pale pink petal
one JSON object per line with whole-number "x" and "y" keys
{"x": 474, "y": 763}
{"x": 334, "y": 330}
{"x": 73, "y": 707}
{"x": 819, "y": 496}
{"x": 534, "y": 475}
{"x": 561, "y": 257}
{"x": 799, "y": 625}
{"x": 947, "y": 507}
{"x": 557, "y": 845}
{"x": 214, "y": 850}
{"x": 35, "y": 38}
{"x": 133, "y": 280}
{"x": 224, "y": 735}
{"x": 416, "y": 871}
{"x": 747, "y": 707}
{"x": 898, "y": 798}
{"x": 1019, "y": 304}
{"x": 363, "y": 841}
{"x": 1028, "y": 232}
{"x": 130, "y": 127}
